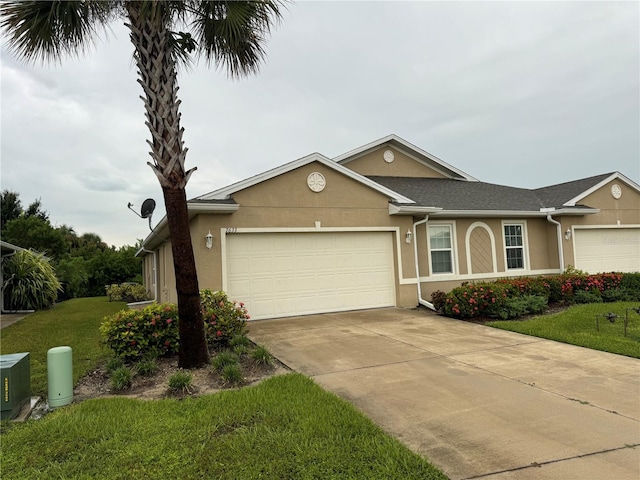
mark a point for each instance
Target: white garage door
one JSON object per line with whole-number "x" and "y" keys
{"x": 286, "y": 274}
{"x": 608, "y": 250}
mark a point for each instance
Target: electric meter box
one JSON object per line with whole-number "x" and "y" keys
{"x": 15, "y": 373}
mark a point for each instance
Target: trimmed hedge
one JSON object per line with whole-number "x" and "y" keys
{"x": 514, "y": 297}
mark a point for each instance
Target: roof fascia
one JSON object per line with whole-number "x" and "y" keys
{"x": 160, "y": 232}
{"x": 411, "y": 210}
{"x": 413, "y": 151}
{"x": 10, "y": 246}
{"x": 226, "y": 192}
{"x": 515, "y": 213}
{"x": 597, "y": 186}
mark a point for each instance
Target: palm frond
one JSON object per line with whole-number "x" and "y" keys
{"x": 231, "y": 34}
{"x": 50, "y": 30}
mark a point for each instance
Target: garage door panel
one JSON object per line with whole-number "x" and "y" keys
{"x": 303, "y": 273}
{"x": 607, "y": 249}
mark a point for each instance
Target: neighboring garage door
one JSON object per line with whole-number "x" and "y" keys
{"x": 608, "y": 250}
{"x": 286, "y": 274}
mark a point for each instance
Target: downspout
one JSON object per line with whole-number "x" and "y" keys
{"x": 421, "y": 300}
{"x": 559, "y": 235}
{"x": 155, "y": 272}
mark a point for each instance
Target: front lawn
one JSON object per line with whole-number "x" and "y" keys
{"x": 284, "y": 428}
{"x": 72, "y": 323}
{"x": 577, "y": 326}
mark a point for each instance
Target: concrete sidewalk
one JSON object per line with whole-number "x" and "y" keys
{"x": 7, "y": 319}
{"x": 477, "y": 401}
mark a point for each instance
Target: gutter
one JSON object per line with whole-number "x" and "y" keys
{"x": 559, "y": 235}
{"x": 421, "y": 300}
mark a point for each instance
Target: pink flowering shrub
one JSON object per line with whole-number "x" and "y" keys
{"x": 504, "y": 297}
{"x": 223, "y": 319}
{"x": 132, "y": 334}
{"x": 474, "y": 300}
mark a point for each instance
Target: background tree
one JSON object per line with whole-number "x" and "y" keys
{"x": 11, "y": 207}
{"x": 229, "y": 34}
{"x": 38, "y": 234}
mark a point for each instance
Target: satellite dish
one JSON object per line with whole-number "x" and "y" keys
{"x": 148, "y": 206}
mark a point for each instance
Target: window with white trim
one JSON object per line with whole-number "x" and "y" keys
{"x": 514, "y": 245}
{"x": 440, "y": 248}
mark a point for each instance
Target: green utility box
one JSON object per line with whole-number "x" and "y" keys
{"x": 60, "y": 376}
{"x": 15, "y": 371}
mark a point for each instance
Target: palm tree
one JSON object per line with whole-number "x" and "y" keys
{"x": 227, "y": 33}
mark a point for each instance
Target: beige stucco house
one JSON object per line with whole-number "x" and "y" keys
{"x": 387, "y": 224}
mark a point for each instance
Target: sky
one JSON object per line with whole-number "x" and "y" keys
{"x": 525, "y": 94}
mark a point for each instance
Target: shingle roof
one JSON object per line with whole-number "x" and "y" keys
{"x": 459, "y": 195}
{"x": 561, "y": 193}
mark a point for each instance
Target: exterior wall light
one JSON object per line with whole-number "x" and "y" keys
{"x": 567, "y": 234}
{"x": 209, "y": 240}
{"x": 408, "y": 236}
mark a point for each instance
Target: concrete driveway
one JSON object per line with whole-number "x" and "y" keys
{"x": 476, "y": 401}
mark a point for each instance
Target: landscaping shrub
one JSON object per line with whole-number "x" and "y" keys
{"x": 181, "y": 382}
{"x": 519, "y": 306}
{"x": 503, "y": 298}
{"x": 232, "y": 373}
{"x": 223, "y": 319}
{"x": 261, "y": 356}
{"x": 147, "y": 367}
{"x": 121, "y": 379}
{"x": 30, "y": 282}
{"x": 438, "y": 299}
{"x": 223, "y": 359}
{"x": 630, "y": 282}
{"x": 114, "y": 363}
{"x": 586, "y": 296}
{"x": 474, "y": 300}
{"x": 126, "y": 292}
{"x": 131, "y": 334}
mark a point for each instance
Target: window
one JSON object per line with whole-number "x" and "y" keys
{"x": 514, "y": 244}
{"x": 440, "y": 249}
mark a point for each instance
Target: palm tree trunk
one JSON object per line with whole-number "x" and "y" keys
{"x": 157, "y": 74}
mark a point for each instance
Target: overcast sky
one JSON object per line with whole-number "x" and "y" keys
{"x": 519, "y": 94}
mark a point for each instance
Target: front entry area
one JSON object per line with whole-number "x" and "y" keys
{"x": 287, "y": 274}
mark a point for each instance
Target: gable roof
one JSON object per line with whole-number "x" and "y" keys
{"x": 410, "y": 150}
{"x": 225, "y": 193}
{"x": 570, "y": 193}
{"x": 459, "y": 198}
{"x": 456, "y": 195}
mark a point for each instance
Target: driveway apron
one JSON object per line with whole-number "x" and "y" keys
{"x": 476, "y": 401}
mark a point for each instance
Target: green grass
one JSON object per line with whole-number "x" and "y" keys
{"x": 577, "y": 326}
{"x": 73, "y": 323}
{"x": 284, "y": 428}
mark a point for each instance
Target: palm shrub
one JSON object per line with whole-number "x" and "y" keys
{"x": 30, "y": 281}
